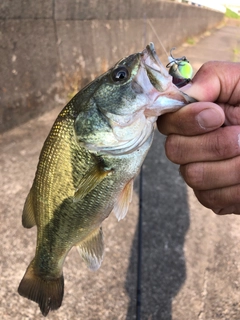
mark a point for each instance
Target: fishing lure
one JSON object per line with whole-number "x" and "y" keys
{"x": 180, "y": 69}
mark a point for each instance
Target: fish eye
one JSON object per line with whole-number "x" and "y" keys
{"x": 120, "y": 74}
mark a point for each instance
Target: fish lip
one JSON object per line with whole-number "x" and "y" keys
{"x": 166, "y": 97}
{"x": 151, "y": 60}
{"x": 157, "y": 73}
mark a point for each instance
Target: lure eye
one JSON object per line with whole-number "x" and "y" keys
{"x": 120, "y": 74}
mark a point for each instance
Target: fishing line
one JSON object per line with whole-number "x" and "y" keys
{"x": 153, "y": 29}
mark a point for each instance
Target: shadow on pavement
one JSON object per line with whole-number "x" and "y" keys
{"x": 165, "y": 223}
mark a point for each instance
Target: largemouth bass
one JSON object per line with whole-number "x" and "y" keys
{"x": 87, "y": 166}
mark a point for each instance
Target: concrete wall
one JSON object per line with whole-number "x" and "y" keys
{"x": 50, "y": 49}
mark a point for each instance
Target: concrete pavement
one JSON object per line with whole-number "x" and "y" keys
{"x": 191, "y": 257}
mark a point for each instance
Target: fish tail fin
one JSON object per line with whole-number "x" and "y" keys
{"x": 48, "y": 293}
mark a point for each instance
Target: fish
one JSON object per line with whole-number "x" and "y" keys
{"x": 87, "y": 166}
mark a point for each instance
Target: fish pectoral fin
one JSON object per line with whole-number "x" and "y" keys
{"x": 91, "y": 249}
{"x": 121, "y": 206}
{"x": 28, "y": 218}
{"x": 90, "y": 180}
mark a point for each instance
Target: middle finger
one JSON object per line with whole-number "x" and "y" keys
{"x": 212, "y": 175}
{"x": 223, "y": 143}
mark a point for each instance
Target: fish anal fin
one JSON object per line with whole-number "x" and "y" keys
{"x": 48, "y": 293}
{"x": 92, "y": 249}
{"x": 28, "y": 218}
{"x": 121, "y": 206}
{"x": 90, "y": 180}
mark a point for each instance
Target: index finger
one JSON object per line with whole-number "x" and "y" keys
{"x": 222, "y": 144}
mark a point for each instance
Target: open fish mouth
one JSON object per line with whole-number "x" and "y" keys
{"x": 169, "y": 98}
{"x": 157, "y": 74}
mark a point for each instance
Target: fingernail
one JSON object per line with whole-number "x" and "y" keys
{"x": 209, "y": 119}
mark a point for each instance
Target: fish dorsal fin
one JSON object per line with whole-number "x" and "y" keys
{"x": 90, "y": 180}
{"x": 28, "y": 218}
{"x": 91, "y": 249}
{"x": 121, "y": 206}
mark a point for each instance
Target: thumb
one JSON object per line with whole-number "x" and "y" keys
{"x": 193, "y": 119}
{"x": 205, "y": 86}
{"x": 216, "y": 81}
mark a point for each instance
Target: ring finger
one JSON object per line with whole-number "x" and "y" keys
{"x": 212, "y": 175}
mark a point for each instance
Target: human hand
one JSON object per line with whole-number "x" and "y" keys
{"x": 209, "y": 154}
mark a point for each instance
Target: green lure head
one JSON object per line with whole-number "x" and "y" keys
{"x": 180, "y": 69}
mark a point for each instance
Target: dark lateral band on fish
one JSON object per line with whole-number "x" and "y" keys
{"x": 87, "y": 166}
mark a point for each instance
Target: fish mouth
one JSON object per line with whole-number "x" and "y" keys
{"x": 165, "y": 96}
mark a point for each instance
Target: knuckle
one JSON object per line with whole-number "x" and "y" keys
{"x": 193, "y": 174}
{"x": 208, "y": 67}
{"x": 219, "y": 146}
{"x": 222, "y": 200}
{"x": 218, "y": 211}
{"x": 232, "y": 195}
{"x": 235, "y": 168}
{"x": 208, "y": 198}
{"x": 172, "y": 148}
{"x": 235, "y": 209}
{"x": 224, "y": 142}
{"x": 166, "y": 123}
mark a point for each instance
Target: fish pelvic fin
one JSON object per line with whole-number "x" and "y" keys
{"x": 121, "y": 206}
{"x": 92, "y": 249}
{"x": 48, "y": 293}
{"x": 28, "y": 218}
{"x": 90, "y": 180}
